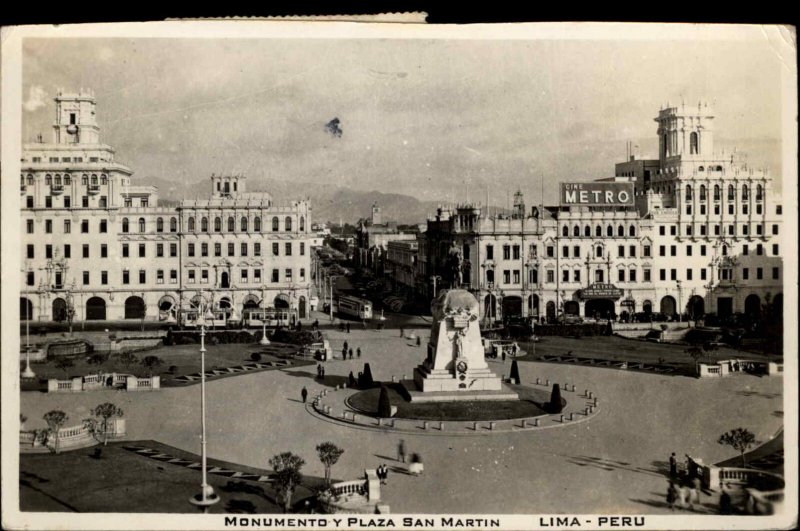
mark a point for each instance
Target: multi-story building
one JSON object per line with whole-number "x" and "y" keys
{"x": 372, "y": 241}
{"x": 401, "y": 265}
{"x": 700, "y": 234}
{"x": 104, "y": 248}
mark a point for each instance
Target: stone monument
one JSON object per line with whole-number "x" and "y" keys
{"x": 455, "y": 367}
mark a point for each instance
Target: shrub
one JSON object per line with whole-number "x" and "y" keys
{"x": 514, "y": 372}
{"x": 255, "y": 356}
{"x": 172, "y": 369}
{"x": 555, "y": 405}
{"x": 367, "y": 380}
{"x": 384, "y": 404}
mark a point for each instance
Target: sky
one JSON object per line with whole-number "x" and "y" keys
{"x": 450, "y": 120}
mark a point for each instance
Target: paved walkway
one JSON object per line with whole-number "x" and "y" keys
{"x": 616, "y": 462}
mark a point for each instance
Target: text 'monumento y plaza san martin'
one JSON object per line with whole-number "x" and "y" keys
{"x": 691, "y": 232}
{"x": 99, "y": 245}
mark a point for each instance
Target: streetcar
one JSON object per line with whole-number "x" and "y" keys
{"x": 189, "y": 318}
{"x": 257, "y": 318}
{"x": 355, "y": 307}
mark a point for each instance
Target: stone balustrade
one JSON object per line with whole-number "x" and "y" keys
{"x": 94, "y": 382}
{"x": 80, "y": 436}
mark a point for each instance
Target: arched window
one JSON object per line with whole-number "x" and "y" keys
{"x": 701, "y": 168}
{"x": 632, "y": 231}
{"x": 94, "y": 179}
{"x": 191, "y": 224}
{"x": 759, "y": 193}
{"x": 620, "y": 231}
{"x": 609, "y": 231}
{"x": 288, "y": 222}
{"x": 67, "y": 179}
{"x": 159, "y": 225}
{"x": 716, "y": 192}
{"x": 243, "y": 224}
{"x": 719, "y": 168}
{"x": 598, "y": 231}
{"x": 302, "y": 224}
{"x": 231, "y": 224}
{"x": 173, "y": 225}
{"x": 587, "y": 231}
{"x": 576, "y": 231}
{"x": 204, "y": 224}
{"x": 103, "y": 179}
{"x": 217, "y": 224}
{"x": 48, "y": 179}
{"x": 599, "y": 251}
{"x": 745, "y": 194}
{"x": 694, "y": 147}
{"x": 125, "y": 226}
{"x": 565, "y": 231}
{"x": 141, "y": 225}
{"x": 688, "y": 193}
{"x": 84, "y": 179}
{"x": 257, "y": 224}
{"x": 275, "y": 224}
{"x": 58, "y": 179}
{"x": 724, "y": 250}
{"x": 702, "y": 192}
{"x": 731, "y": 193}
{"x": 30, "y": 179}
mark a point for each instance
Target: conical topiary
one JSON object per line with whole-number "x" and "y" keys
{"x": 514, "y": 377}
{"x": 368, "y": 381}
{"x": 384, "y": 403}
{"x": 555, "y": 405}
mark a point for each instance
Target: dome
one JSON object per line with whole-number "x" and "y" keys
{"x": 452, "y": 300}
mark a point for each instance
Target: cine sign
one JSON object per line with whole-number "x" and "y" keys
{"x": 597, "y": 194}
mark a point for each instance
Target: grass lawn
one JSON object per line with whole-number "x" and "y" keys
{"x": 185, "y": 358}
{"x": 621, "y": 349}
{"x": 123, "y": 481}
{"x": 529, "y": 405}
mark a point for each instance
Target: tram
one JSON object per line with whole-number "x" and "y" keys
{"x": 355, "y": 307}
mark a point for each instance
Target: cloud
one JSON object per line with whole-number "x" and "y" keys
{"x": 37, "y": 98}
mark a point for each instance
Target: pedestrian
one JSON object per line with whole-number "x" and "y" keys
{"x": 673, "y": 466}
{"x": 344, "y": 353}
{"x": 672, "y": 495}
{"x": 345, "y": 345}
{"x": 351, "y": 380}
{"x": 402, "y": 332}
{"x": 696, "y": 485}
{"x": 736, "y": 367}
{"x": 319, "y": 371}
{"x": 725, "y": 505}
{"x": 299, "y": 325}
{"x": 304, "y": 394}
{"x": 504, "y": 354}
{"x": 316, "y": 324}
{"x": 351, "y": 352}
{"x": 348, "y": 327}
{"x": 401, "y": 451}
{"x": 385, "y": 473}
{"x": 358, "y": 352}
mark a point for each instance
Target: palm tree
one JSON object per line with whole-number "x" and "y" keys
{"x": 328, "y": 454}
{"x": 287, "y": 475}
{"x": 55, "y": 419}
{"x": 104, "y": 412}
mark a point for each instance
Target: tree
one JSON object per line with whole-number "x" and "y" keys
{"x": 697, "y": 354}
{"x": 367, "y": 378}
{"x": 287, "y": 475}
{"x": 65, "y": 364}
{"x": 97, "y": 359}
{"x": 384, "y": 403}
{"x": 128, "y": 359}
{"x": 555, "y": 405}
{"x": 98, "y": 425}
{"x": 55, "y": 419}
{"x": 709, "y": 348}
{"x": 739, "y": 439}
{"x": 151, "y": 362}
{"x": 328, "y": 454}
{"x": 514, "y": 376}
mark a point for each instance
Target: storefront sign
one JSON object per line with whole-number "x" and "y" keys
{"x": 597, "y": 194}
{"x": 601, "y": 291}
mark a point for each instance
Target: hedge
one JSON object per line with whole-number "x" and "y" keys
{"x": 586, "y": 329}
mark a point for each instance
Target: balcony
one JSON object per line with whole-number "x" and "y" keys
{"x": 56, "y": 189}
{"x": 94, "y": 189}
{"x": 22, "y": 189}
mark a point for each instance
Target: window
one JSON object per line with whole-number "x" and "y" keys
{"x": 744, "y": 209}
{"x": 775, "y": 273}
{"x": 745, "y": 273}
{"x": 190, "y": 224}
{"x": 758, "y": 209}
{"x": 243, "y": 276}
{"x": 703, "y": 273}
{"x": 103, "y": 201}
{"x": 159, "y": 250}
{"x": 29, "y": 201}
{"x": 598, "y": 275}
{"x": 702, "y": 230}
{"x": 287, "y": 274}
{"x": 609, "y": 231}
{"x": 745, "y": 250}
{"x": 288, "y": 248}
{"x": 67, "y": 251}
{"x": 565, "y": 251}
{"x": 126, "y": 276}
{"x": 128, "y": 202}
{"x": 576, "y": 275}
{"x": 30, "y": 251}
{"x": 125, "y": 251}
{"x": 103, "y": 226}
{"x": 204, "y": 224}
{"x": 662, "y": 250}
{"x": 85, "y": 278}
{"x": 204, "y": 276}
{"x": 646, "y": 273}
{"x": 576, "y": 251}
{"x": 550, "y": 251}
{"x": 257, "y": 276}
{"x": 125, "y": 225}
{"x": 775, "y": 249}
{"x": 244, "y": 249}
{"x": 673, "y": 230}
{"x": 48, "y": 226}
{"x": 724, "y": 250}
{"x": 745, "y": 194}
{"x": 533, "y": 276}
{"x": 775, "y": 230}
{"x": 217, "y": 224}
{"x": 551, "y": 276}
{"x": 191, "y": 279}
{"x": 160, "y": 276}
{"x": 506, "y": 252}
{"x": 85, "y": 250}
{"x": 190, "y": 249}
{"x": 632, "y": 275}
{"x": 576, "y": 231}
{"x": 231, "y": 249}
{"x": 688, "y": 274}
{"x": 29, "y": 226}
{"x": 303, "y": 249}
{"x": 203, "y": 249}
{"x": 276, "y": 249}
{"x": 646, "y": 251}
{"x": 515, "y": 252}
{"x": 288, "y": 222}
{"x": 302, "y": 224}
{"x": 779, "y": 210}
{"x": 759, "y": 229}
{"x": 489, "y": 252}
{"x": 159, "y": 225}
{"x": 243, "y": 224}
{"x": 689, "y": 209}
{"x": 275, "y": 226}
{"x": 217, "y": 249}
{"x": 599, "y": 251}
{"x": 173, "y": 276}
{"x": 30, "y": 278}
{"x": 621, "y": 275}
{"x": 587, "y": 231}
{"x": 48, "y": 251}
{"x": 760, "y": 273}
{"x": 621, "y": 251}
{"x": 85, "y": 226}
{"x": 275, "y": 275}
{"x": 173, "y": 249}
{"x": 688, "y": 250}
{"x": 507, "y": 276}
{"x": 662, "y": 273}
{"x": 745, "y": 229}
{"x": 688, "y": 230}
{"x": 257, "y": 224}
{"x": 673, "y": 274}
{"x": 302, "y": 270}
{"x": 702, "y": 250}
{"x": 759, "y": 249}
{"x": 173, "y": 224}
{"x": 103, "y": 250}
{"x": 716, "y": 230}
{"x": 534, "y": 251}
{"x": 48, "y": 202}
{"x": 730, "y": 209}
{"x": 85, "y": 201}
{"x": 662, "y": 230}
{"x": 141, "y": 225}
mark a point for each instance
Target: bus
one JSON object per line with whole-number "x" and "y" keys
{"x": 257, "y": 318}
{"x": 355, "y": 307}
{"x": 189, "y": 318}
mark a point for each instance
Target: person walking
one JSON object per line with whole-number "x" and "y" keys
{"x": 358, "y": 352}
{"x": 322, "y": 372}
{"x": 345, "y": 344}
{"x": 503, "y": 349}
{"x": 351, "y": 380}
{"x": 344, "y": 353}
{"x": 673, "y": 466}
{"x": 385, "y": 473}
{"x": 348, "y": 327}
{"x": 351, "y": 353}
{"x": 401, "y": 451}
{"x": 672, "y": 496}
{"x": 304, "y": 394}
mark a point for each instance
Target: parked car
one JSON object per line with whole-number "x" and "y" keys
{"x": 570, "y": 319}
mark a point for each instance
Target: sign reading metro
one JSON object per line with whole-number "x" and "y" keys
{"x": 597, "y": 194}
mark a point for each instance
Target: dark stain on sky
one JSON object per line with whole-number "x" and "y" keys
{"x": 333, "y": 127}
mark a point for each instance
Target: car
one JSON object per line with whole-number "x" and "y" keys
{"x": 570, "y": 319}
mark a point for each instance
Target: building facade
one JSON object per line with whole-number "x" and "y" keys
{"x": 100, "y": 248}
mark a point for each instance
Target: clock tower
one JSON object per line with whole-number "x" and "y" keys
{"x": 76, "y": 122}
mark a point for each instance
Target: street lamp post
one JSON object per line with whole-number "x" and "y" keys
{"x": 207, "y": 497}
{"x": 264, "y": 341}
{"x": 680, "y": 308}
{"x": 28, "y": 372}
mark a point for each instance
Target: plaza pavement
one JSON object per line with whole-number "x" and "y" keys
{"x": 612, "y": 463}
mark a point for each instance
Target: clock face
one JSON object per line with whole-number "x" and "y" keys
{"x": 462, "y": 366}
